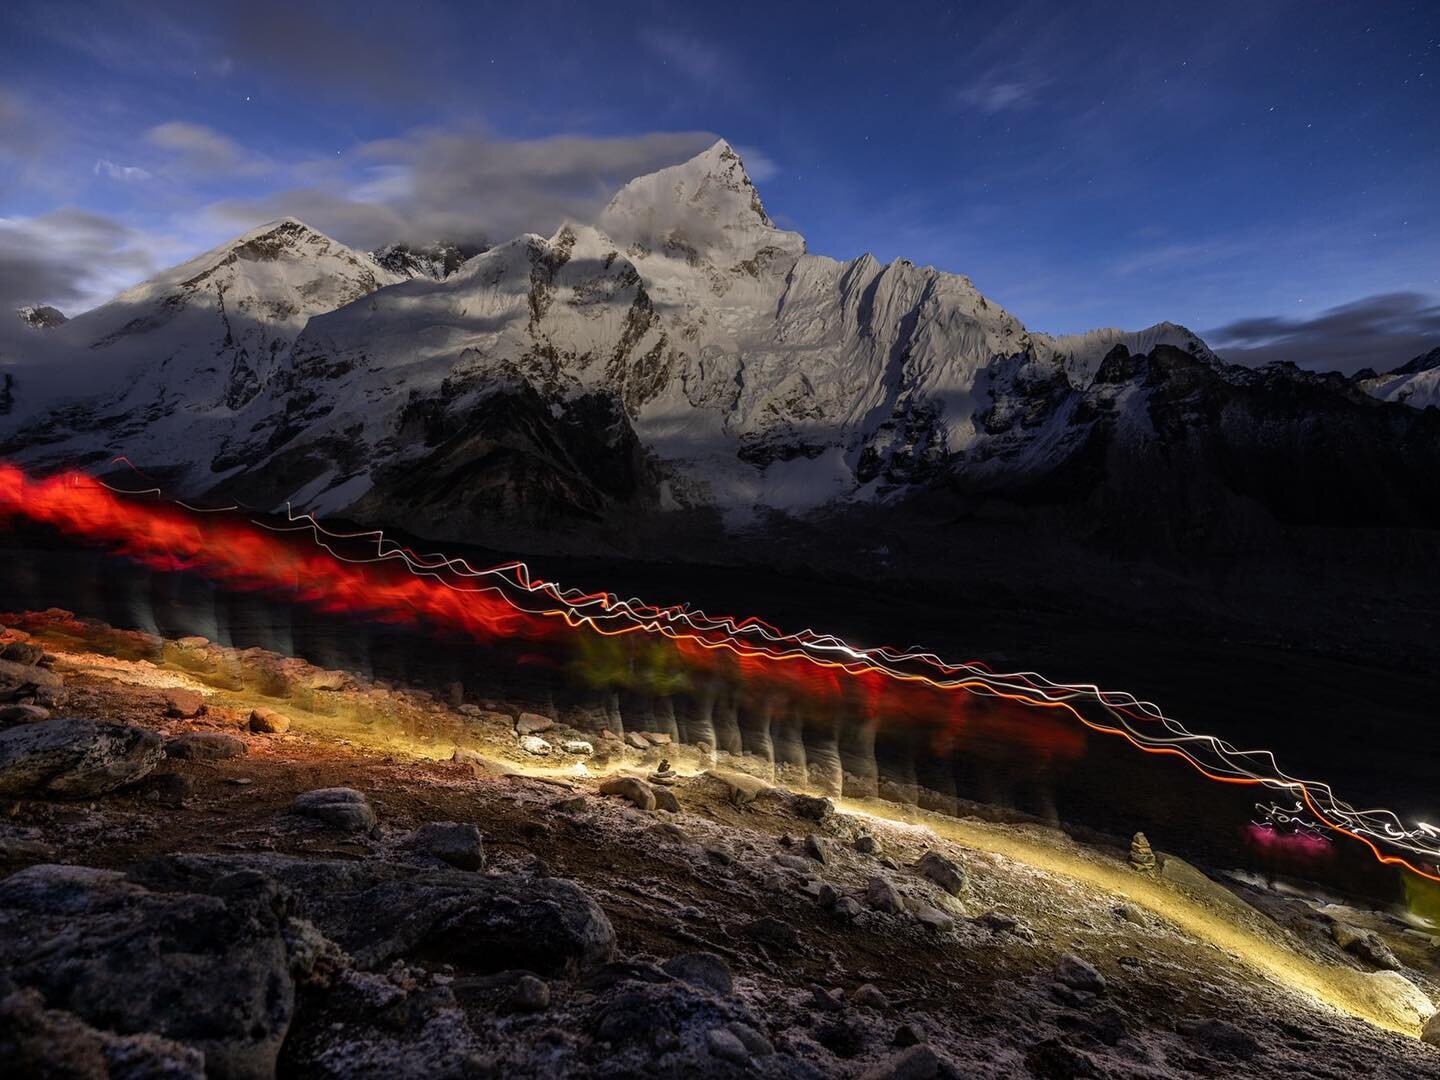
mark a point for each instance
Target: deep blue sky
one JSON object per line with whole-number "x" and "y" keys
{"x": 1226, "y": 165}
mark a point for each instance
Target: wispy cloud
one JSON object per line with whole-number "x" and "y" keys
{"x": 688, "y": 54}
{"x": 1000, "y": 90}
{"x": 126, "y": 173}
{"x": 202, "y": 151}
{"x": 1381, "y": 331}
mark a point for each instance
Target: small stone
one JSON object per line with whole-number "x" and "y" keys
{"x": 170, "y": 789}
{"x": 825, "y": 1000}
{"x": 768, "y": 930}
{"x": 815, "y": 848}
{"x": 866, "y": 844}
{"x": 630, "y": 787}
{"x": 669, "y": 833}
{"x": 908, "y": 1035}
{"x": 1142, "y": 856}
{"x": 184, "y": 704}
{"x": 827, "y": 895}
{"x": 702, "y": 969}
{"x": 637, "y": 740}
{"x": 659, "y": 738}
{"x": 756, "y": 1043}
{"x": 665, "y": 800}
{"x": 531, "y": 723}
{"x": 882, "y": 896}
{"x": 268, "y": 721}
{"x": 531, "y": 994}
{"x": 727, "y": 1046}
{"x": 205, "y": 746}
{"x": 579, "y": 747}
{"x": 458, "y": 843}
{"x": 470, "y": 710}
{"x": 847, "y": 907}
{"x": 480, "y": 766}
{"x": 870, "y": 996}
{"x": 793, "y": 862}
{"x": 341, "y": 808}
{"x": 719, "y": 856}
{"x": 919, "y": 1062}
{"x": 942, "y": 872}
{"x": 1079, "y": 974}
{"x": 572, "y": 805}
{"x": 533, "y": 744}
{"x": 997, "y": 922}
{"x": 11, "y": 715}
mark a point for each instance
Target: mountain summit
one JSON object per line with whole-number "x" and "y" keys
{"x": 680, "y": 354}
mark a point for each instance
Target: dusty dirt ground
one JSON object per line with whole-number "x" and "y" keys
{"x": 1177, "y": 976}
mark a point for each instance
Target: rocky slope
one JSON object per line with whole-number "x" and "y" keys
{"x": 232, "y": 863}
{"x": 1416, "y": 383}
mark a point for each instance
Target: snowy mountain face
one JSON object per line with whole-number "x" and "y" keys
{"x": 41, "y": 317}
{"x": 437, "y": 261}
{"x": 681, "y": 352}
{"x": 1416, "y": 383}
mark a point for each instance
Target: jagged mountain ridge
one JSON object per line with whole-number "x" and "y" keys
{"x": 682, "y": 352}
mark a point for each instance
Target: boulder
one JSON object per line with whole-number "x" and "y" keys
{"x": 534, "y": 744}
{"x": 341, "y": 808}
{"x": 817, "y": 849}
{"x": 25, "y": 653}
{"x": 919, "y": 1062}
{"x": 39, "y": 1041}
{"x": 1430, "y": 1033}
{"x": 932, "y": 917}
{"x": 665, "y": 800}
{"x": 702, "y": 969}
{"x": 481, "y": 767}
{"x": 379, "y": 912}
{"x": 942, "y": 872}
{"x": 73, "y": 757}
{"x": 206, "y": 968}
{"x": 726, "y": 1045}
{"x": 184, "y": 704}
{"x": 1366, "y": 945}
{"x": 268, "y": 721}
{"x": 741, "y": 788}
{"x": 10, "y": 715}
{"x": 811, "y": 807}
{"x": 637, "y": 740}
{"x": 530, "y": 994}
{"x": 457, "y": 843}
{"x": 1079, "y": 974}
{"x": 578, "y": 747}
{"x": 530, "y": 723}
{"x": 630, "y": 787}
{"x": 205, "y": 746}
{"x": 881, "y": 895}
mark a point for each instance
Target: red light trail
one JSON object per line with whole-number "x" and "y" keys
{"x": 507, "y": 601}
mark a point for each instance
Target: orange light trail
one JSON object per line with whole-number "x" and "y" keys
{"x": 494, "y": 603}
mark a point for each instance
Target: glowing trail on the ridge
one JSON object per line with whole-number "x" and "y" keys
{"x": 507, "y": 601}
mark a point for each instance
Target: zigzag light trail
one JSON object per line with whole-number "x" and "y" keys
{"x": 508, "y": 601}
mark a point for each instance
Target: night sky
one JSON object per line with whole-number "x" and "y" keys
{"x": 1266, "y": 173}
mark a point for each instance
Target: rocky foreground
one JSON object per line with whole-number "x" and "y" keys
{"x": 235, "y": 864}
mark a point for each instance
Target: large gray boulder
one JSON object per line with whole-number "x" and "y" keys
{"x": 381, "y": 911}
{"x": 73, "y": 757}
{"x": 208, "y": 970}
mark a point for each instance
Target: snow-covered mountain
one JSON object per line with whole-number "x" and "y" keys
{"x": 680, "y": 352}
{"x": 41, "y": 316}
{"x": 1416, "y": 383}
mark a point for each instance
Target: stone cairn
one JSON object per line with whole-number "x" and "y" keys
{"x": 1141, "y": 857}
